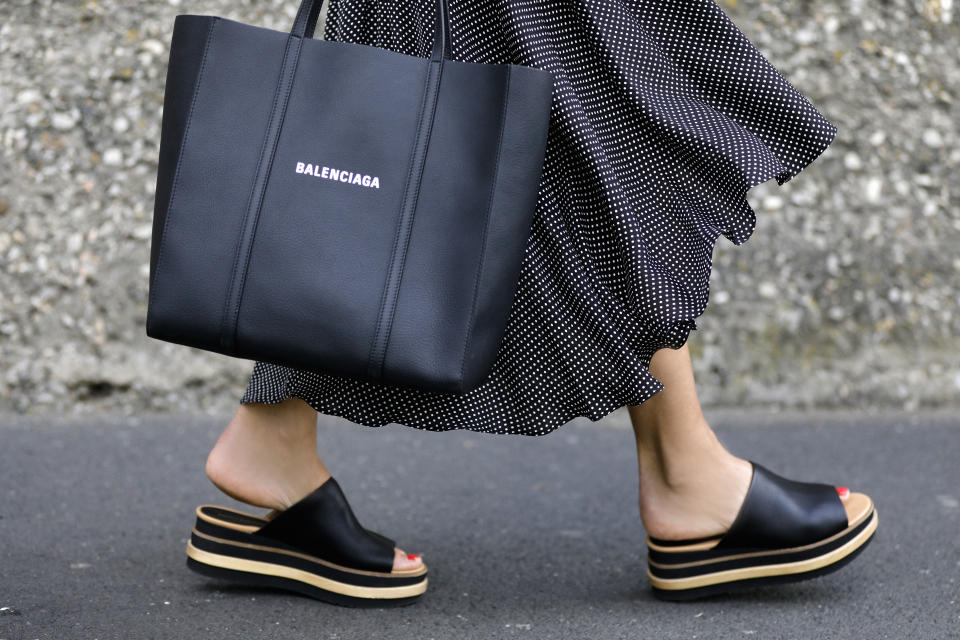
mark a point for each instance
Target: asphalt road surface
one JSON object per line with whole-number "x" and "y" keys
{"x": 525, "y": 537}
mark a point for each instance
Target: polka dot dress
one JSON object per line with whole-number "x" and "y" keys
{"x": 663, "y": 116}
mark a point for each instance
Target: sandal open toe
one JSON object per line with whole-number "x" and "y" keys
{"x": 786, "y": 531}
{"x": 316, "y": 547}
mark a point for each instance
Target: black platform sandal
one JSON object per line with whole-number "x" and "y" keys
{"x": 316, "y": 547}
{"x": 786, "y": 531}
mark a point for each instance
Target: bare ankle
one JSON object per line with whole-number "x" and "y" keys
{"x": 679, "y": 463}
{"x": 266, "y": 460}
{"x": 694, "y": 495}
{"x": 275, "y": 488}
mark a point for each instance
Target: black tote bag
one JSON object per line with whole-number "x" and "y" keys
{"x": 342, "y": 208}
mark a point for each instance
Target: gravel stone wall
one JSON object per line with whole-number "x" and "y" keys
{"x": 845, "y": 296}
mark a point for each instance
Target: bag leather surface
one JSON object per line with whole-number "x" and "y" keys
{"x": 395, "y": 256}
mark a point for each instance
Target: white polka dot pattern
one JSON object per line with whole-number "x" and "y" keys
{"x": 663, "y": 116}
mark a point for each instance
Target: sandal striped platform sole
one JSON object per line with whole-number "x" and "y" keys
{"x": 786, "y": 531}
{"x": 316, "y": 548}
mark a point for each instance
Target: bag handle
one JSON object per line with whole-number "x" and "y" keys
{"x": 306, "y": 23}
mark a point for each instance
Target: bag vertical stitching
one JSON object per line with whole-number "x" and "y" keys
{"x": 390, "y": 293}
{"x": 183, "y": 146}
{"x": 486, "y": 225}
{"x": 396, "y": 237}
{"x": 228, "y": 327}
{"x": 263, "y": 193}
{"x": 413, "y": 214}
{"x": 246, "y": 209}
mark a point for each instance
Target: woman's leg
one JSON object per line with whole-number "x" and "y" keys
{"x": 267, "y": 457}
{"x": 690, "y": 485}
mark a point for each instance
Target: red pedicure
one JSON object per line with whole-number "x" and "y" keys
{"x": 843, "y": 491}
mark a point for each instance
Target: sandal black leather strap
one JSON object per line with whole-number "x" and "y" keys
{"x": 323, "y": 524}
{"x": 778, "y": 513}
